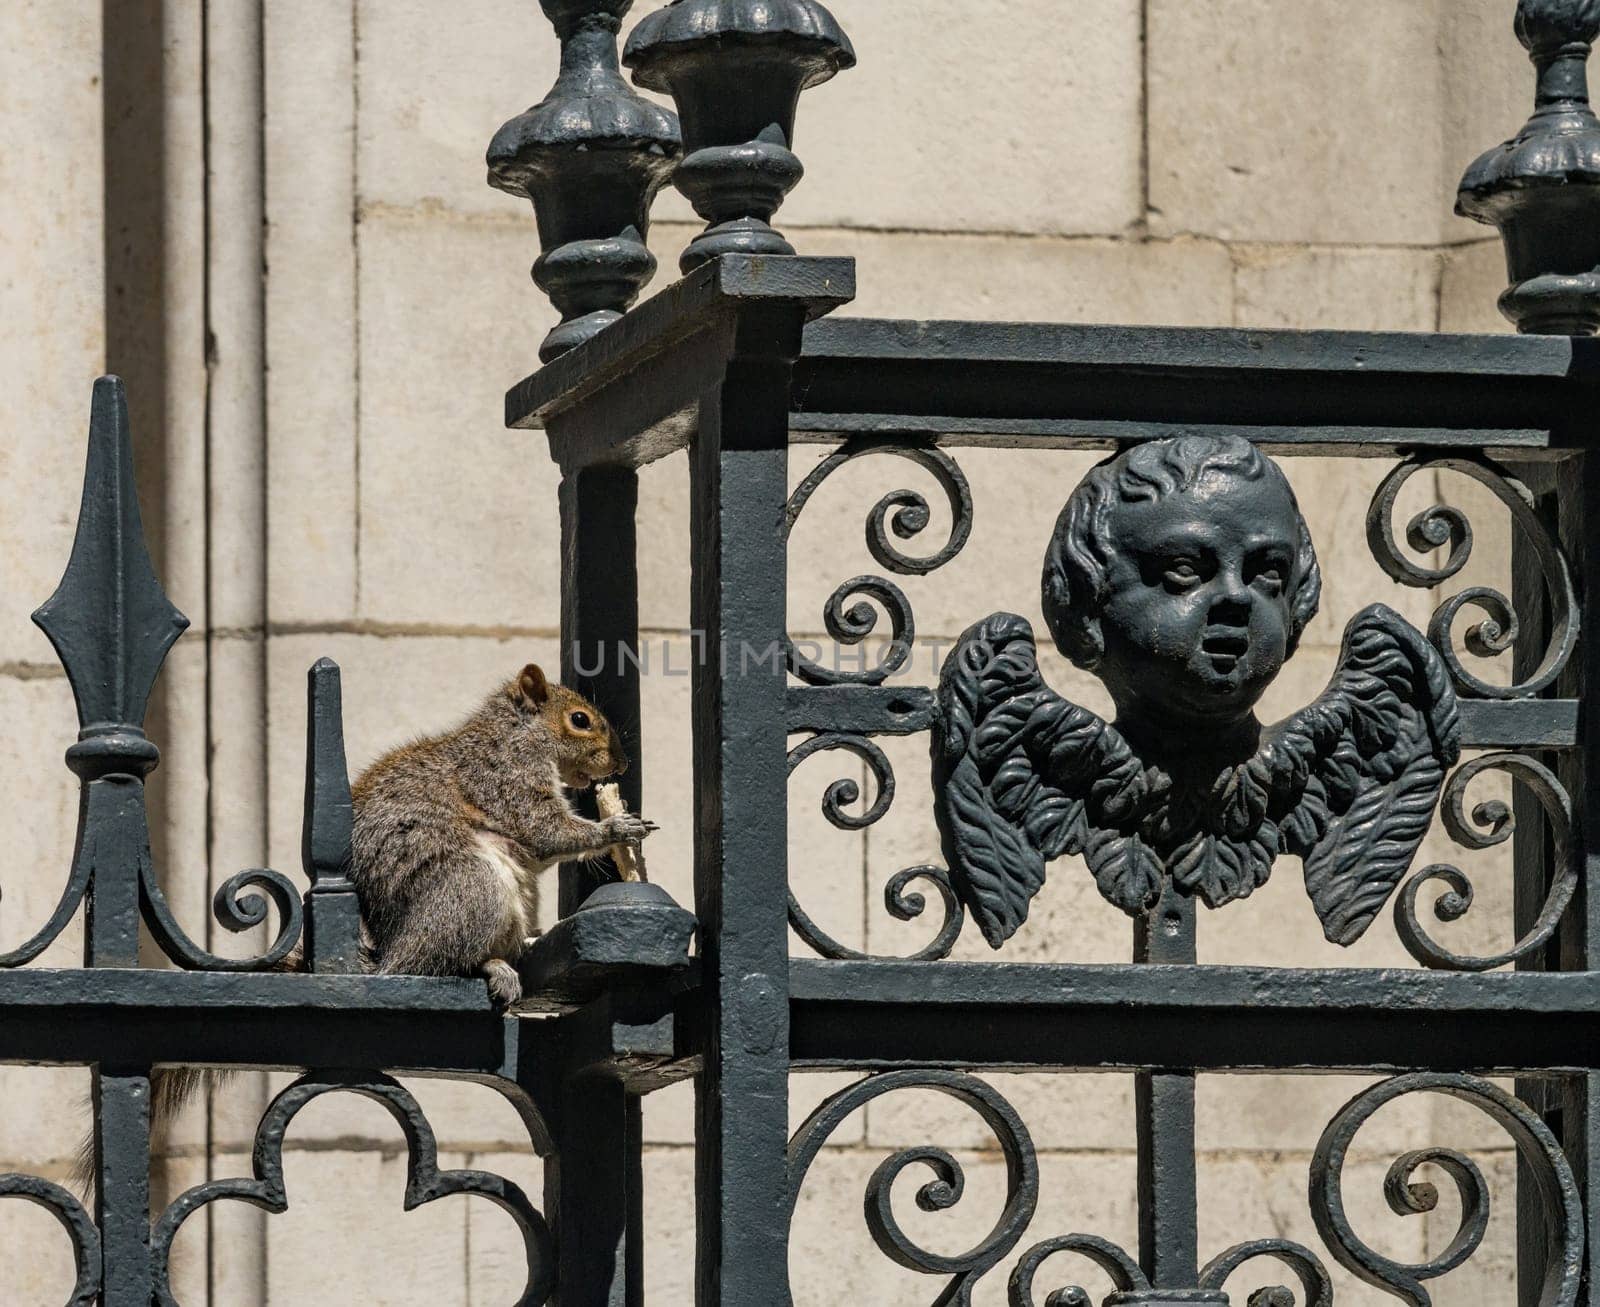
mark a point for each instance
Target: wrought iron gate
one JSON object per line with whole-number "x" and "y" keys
{"x": 736, "y": 362}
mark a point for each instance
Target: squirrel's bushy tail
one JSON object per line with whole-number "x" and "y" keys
{"x": 172, "y": 1088}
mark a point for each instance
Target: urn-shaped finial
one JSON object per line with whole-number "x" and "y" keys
{"x": 592, "y": 157}
{"x": 736, "y": 69}
{"x": 1542, "y": 187}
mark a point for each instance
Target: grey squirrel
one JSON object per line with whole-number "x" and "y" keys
{"x": 451, "y": 832}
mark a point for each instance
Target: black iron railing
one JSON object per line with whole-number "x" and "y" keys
{"x": 736, "y": 362}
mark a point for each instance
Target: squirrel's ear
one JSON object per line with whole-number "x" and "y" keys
{"x": 531, "y": 687}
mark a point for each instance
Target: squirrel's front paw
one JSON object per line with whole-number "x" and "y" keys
{"x": 627, "y": 828}
{"x": 505, "y": 986}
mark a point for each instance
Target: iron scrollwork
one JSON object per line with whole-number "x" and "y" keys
{"x": 1126, "y": 1276}
{"x": 945, "y": 1190}
{"x": 1315, "y": 1283}
{"x": 904, "y": 515}
{"x": 1552, "y": 1180}
{"x": 1443, "y": 526}
{"x": 901, "y": 900}
{"x": 80, "y": 1228}
{"x": 1182, "y": 574}
{"x": 424, "y": 1180}
{"x": 1491, "y": 823}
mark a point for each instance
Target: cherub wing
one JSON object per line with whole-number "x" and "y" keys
{"x": 1374, "y": 749}
{"x": 1022, "y": 776}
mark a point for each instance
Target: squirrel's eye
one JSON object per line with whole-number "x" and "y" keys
{"x": 580, "y": 721}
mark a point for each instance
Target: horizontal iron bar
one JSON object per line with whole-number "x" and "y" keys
{"x": 906, "y": 710}
{"x": 1010, "y": 1016}
{"x": 1027, "y": 384}
{"x": 205, "y": 1018}
{"x": 1101, "y": 434}
{"x": 1051, "y": 385}
{"x": 1002, "y": 383}
{"x": 1209, "y": 348}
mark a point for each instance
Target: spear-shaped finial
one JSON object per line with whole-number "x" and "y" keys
{"x": 110, "y": 621}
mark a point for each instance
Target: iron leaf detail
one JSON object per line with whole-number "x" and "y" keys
{"x": 1349, "y": 784}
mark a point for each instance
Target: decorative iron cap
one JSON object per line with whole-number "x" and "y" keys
{"x": 809, "y": 36}
{"x": 1542, "y": 187}
{"x": 736, "y": 69}
{"x": 591, "y": 156}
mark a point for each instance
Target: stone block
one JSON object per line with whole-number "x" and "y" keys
{"x": 669, "y": 1226}
{"x": 496, "y": 1264}
{"x": 423, "y": 127}
{"x": 40, "y": 826}
{"x": 311, "y": 308}
{"x": 47, "y": 1117}
{"x": 1474, "y": 278}
{"x": 1336, "y": 289}
{"x": 345, "y": 1219}
{"x": 41, "y": 1268}
{"x": 921, "y": 136}
{"x": 1279, "y": 1115}
{"x": 190, "y": 1260}
{"x": 663, "y": 528}
{"x": 1267, "y": 124}
{"x": 437, "y": 465}
{"x": 1178, "y": 282}
{"x": 52, "y": 322}
{"x": 240, "y": 1275}
{"x": 942, "y": 151}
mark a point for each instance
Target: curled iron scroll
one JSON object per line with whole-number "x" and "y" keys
{"x": 1490, "y": 823}
{"x": 74, "y": 1220}
{"x": 944, "y": 1191}
{"x": 899, "y": 896}
{"x": 1550, "y": 1178}
{"x": 424, "y": 1180}
{"x": 904, "y": 515}
{"x": 1123, "y": 1270}
{"x": 1307, "y": 1266}
{"x": 236, "y": 909}
{"x": 1444, "y": 526}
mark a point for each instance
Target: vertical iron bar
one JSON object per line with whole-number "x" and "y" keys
{"x": 121, "y": 1099}
{"x": 1164, "y": 1104}
{"x": 594, "y": 1180}
{"x": 112, "y": 625}
{"x": 1532, "y": 853}
{"x": 594, "y": 1194}
{"x": 600, "y": 620}
{"x": 1578, "y": 496}
{"x": 738, "y": 490}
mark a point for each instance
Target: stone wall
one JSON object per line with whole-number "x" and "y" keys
{"x": 271, "y": 219}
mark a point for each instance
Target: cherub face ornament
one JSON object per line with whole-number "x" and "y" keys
{"x": 1182, "y": 574}
{"x": 1205, "y": 560}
